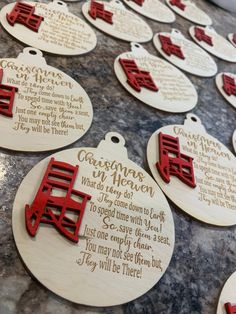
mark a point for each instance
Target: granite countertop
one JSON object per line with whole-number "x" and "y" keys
{"x": 204, "y": 256}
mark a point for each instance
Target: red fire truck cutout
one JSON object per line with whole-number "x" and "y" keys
{"x": 200, "y": 34}
{"x": 230, "y": 309}
{"x": 178, "y": 3}
{"x": 229, "y": 85}
{"x": 137, "y": 78}
{"x": 23, "y": 13}
{"x": 7, "y": 96}
{"x": 139, "y": 2}
{"x": 172, "y": 162}
{"x": 169, "y": 48}
{"x": 53, "y": 210}
{"x": 234, "y": 38}
{"x": 97, "y": 11}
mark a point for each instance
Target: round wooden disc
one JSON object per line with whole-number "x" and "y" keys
{"x": 221, "y": 47}
{"x": 153, "y": 9}
{"x": 219, "y": 83}
{"x": 191, "y": 12}
{"x": 196, "y": 61}
{"x": 227, "y": 294}
{"x": 175, "y": 91}
{"x": 126, "y": 238}
{"x": 50, "y": 109}
{"x": 135, "y": 29}
{"x": 230, "y": 37}
{"x": 213, "y": 199}
{"x": 60, "y": 32}
{"x": 234, "y": 141}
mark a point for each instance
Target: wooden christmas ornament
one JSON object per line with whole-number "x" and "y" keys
{"x": 227, "y": 300}
{"x": 49, "y": 27}
{"x": 189, "y": 10}
{"x": 234, "y": 141}
{"x": 114, "y": 19}
{"x": 195, "y": 171}
{"x": 214, "y": 43}
{"x": 154, "y": 81}
{"x": 41, "y": 108}
{"x": 232, "y": 39}
{"x": 226, "y": 84}
{"x": 184, "y": 53}
{"x": 153, "y": 9}
{"x": 124, "y": 241}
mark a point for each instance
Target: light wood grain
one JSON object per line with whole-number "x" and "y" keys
{"x": 196, "y": 61}
{"x": 176, "y": 93}
{"x": 227, "y": 294}
{"x": 60, "y": 32}
{"x": 153, "y": 9}
{"x": 53, "y": 260}
{"x": 221, "y": 48}
{"x": 191, "y": 12}
{"x": 230, "y": 38}
{"x": 50, "y": 109}
{"x": 136, "y": 29}
{"x": 213, "y": 199}
{"x": 234, "y": 141}
{"x": 219, "y": 83}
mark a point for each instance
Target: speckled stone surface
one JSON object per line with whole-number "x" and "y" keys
{"x": 204, "y": 256}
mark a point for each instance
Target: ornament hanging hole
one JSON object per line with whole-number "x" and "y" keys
{"x": 194, "y": 122}
{"x": 194, "y": 119}
{"x": 60, "y": 3}
{"x": 33, "y": 52}
{"x": 115, "y": 139}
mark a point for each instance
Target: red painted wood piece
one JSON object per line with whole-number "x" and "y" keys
{"x": 23, "y": 13}
{"x": 179, "y": 4}
{"x": 139, "y": 2}
{"x": 230, "y": 309}
{"x": 137, "y": 78}
{"x": 229, "y": 85}
{"x": 173, "y": 162}
{"x": 169, "y": 48}
{"x": 97, "y": 10}
{"x": 234, "y": 38}
{"x": 55, "y": 210}
{"x": 200, "y": 34}
{"x": 7, "y": 96}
